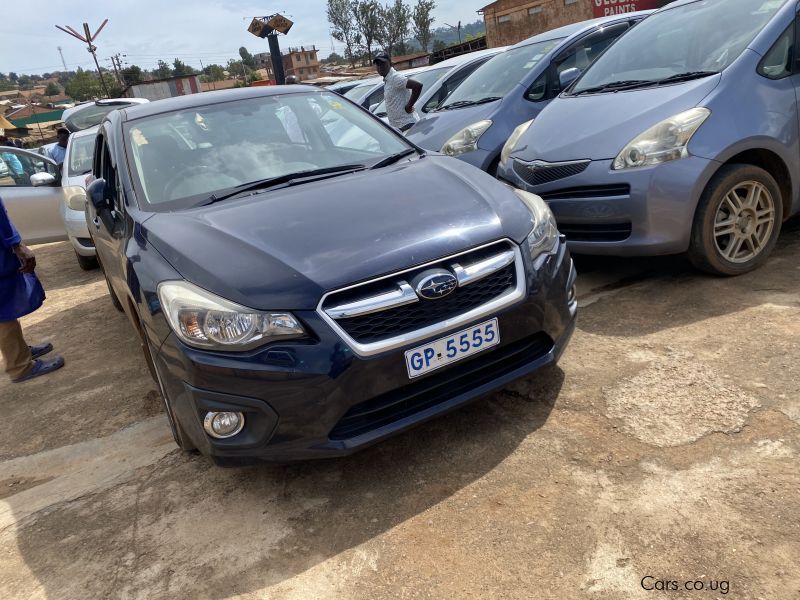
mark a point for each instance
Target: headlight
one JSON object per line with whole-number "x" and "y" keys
{"x": 203, "y": 320}
{"x": 663, "y": 142}
{"x": 512, "y": 141}
{"x": 75, "y": 198}
{"x": 466, "y": 140}
{"x": 544, "y": 235}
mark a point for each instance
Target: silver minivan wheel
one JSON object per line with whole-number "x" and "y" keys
{"x": 737, "y": 221}
{"x": 744, "y": 222}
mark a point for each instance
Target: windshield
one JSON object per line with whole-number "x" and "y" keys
{"x": 91, "y": 115}
{"x": 180, "y": 158}
{"x": 427, "y": 78}
{"x": 498, "y": 76}
{"x": 703, "y": 37}
{"x": 360, "y": 90}
{"x": 81, "y": 152}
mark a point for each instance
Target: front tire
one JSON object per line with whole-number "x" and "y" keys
{"x": 737, "y": 222}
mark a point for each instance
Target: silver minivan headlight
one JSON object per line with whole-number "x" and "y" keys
{"x": 466, "y": 140}
{"x": 511, "y": 143}
{"x": 666, "y": 141}
{"x": 204, "y": 320}
{"x": 544, "y": 235}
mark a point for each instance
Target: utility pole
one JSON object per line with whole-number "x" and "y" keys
{"x": 63, "y": 62}
{"x": 114, "y": 62}
{"x": 88, "y": 39}
{"x": 457, "y": 29}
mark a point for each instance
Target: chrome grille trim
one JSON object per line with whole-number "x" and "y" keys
{"x": 403, "y": 295}
{"x": 484, "y": 268}
{"x": 492, "y": 307}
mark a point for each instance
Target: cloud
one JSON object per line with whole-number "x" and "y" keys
{"x": 147, "y": 30}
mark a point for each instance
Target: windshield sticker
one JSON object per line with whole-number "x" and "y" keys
{"x": 138, "y": 137}
{"x": 769, "y": 6}
{"x": 334, "y": 104}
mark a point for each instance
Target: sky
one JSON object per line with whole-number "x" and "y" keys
{"x": 210, "y": 31}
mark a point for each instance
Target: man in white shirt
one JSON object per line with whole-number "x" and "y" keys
{"x": 58, "y": 151}
{"x": 399, "y": 92}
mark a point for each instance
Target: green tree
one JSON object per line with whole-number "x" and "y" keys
{"x": 333, "y": 59}
{"x": 52, "y": 89}
{"x": 422, "y": 19}
{"x": 132, "y": 75}
{"x": 367, "y": 15}
{"x": 13, "y": 76}
{"x": 341, "y": 16}
{"x": 84, "y": 86}
{"x": 24, "y": 82}
{"x": 247, "y": 58}
{"x": 163, "y": 71}
{"x": 438, "y": 45}
{"x": 181, "y": 69}
{"x": 214, "y": 72}
{"x": 396, "y": 22}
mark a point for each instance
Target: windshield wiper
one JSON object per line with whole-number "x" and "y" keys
{"x": 287, "y": 180}
{"x": 463, "y": 103}
{"x": 393, "y": 158}
{"x": 615, "y": 86}
{"x": 688, "y": 76}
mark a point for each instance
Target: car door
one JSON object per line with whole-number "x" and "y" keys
{"x": 107, "y": 227}
{"x": 31, "y": 192}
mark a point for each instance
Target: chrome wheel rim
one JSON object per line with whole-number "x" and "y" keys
{"x": 744, "y": 222}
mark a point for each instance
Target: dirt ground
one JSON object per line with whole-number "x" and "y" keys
{"x": 663, "y": 450}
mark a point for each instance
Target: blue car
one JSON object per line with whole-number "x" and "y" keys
{"x": 300, "y": 293}
{"x": 474, "y": 122}
{"x": 682, "y": 137}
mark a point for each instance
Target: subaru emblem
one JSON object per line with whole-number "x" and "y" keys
{"x": 435, "y": 284}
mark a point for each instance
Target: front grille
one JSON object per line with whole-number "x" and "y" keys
{"x": 440, "y": 386}
{"x": 591, "y": 191}
{"x": 539, "y": 173}
{"x": 403, "y": 319}
{"x": 604, "y": 232}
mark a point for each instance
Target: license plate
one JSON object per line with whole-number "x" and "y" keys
{"x": 452, "y": 348}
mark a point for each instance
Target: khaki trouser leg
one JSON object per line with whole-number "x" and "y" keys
{"x": 15, "y": 351}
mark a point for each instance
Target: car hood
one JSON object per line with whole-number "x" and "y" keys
{"x": 432, "y": 131}
{"x": 598, "y": 126}
{"x": 282, "y": 250}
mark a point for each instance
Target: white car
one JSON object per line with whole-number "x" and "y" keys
{"x": 89, "y": 114}
{"x": 77, "y": 166}
{"x": 30, "y": 186}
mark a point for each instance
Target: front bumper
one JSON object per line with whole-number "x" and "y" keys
{"x": 480, "y": 158}
{"x": 77, "y": 231}
{"x": 636, "y": 212}
{"x": 316, "y": 398}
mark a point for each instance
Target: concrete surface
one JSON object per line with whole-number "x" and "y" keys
{"x": 664, "y": 446}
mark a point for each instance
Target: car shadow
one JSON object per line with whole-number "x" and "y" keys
{"x": 693, "y": 296}
{"x": 183, "y": 528}
{"x": 57, "y": 267}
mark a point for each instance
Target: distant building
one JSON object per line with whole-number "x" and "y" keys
{"x": 169, "y": 87}
{"x": 409, "y": 61}
{"x": 263, "y": 60}
{"x": 301, "y": 62}
{"x": 511, "y": 21}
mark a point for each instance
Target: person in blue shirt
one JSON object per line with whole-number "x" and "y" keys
{"x": 17, "y": 171}
{"x": 58, "y": 151}
{"x": 21, "y": 293}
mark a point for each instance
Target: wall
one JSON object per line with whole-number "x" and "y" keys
{"x": 511, "y": 21}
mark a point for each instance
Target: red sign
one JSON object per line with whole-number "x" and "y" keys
{"x": 605, "y": 8}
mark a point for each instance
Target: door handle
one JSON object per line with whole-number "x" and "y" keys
{"x": 96, "y": 222}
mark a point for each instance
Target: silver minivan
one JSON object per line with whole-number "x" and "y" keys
{"x": 682, "y": 137}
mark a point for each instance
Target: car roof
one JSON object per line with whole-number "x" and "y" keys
{"x": 189, "y": 101}
{"x": 579, "y": 28}
{"x": 469, "y": 57}
{"x": 85, "y": 132}
{"x": 102, "y": 102}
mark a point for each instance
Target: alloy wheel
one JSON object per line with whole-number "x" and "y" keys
{"x": 744, "y": 222}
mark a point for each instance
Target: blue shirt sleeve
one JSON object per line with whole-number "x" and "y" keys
{"x": 9, "y": 236}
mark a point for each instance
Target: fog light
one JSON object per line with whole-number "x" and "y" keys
{"x": 223, "y": 424}
{"x": 572, "y": 295}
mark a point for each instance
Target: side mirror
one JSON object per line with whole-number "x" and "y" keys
{"x": 568, "y": 77}
{"x": 40, "y": 179}
{"x": 97, "y": 194}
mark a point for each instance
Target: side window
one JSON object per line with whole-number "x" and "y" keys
{"x": 538, "y": 89}
{"x": 777, "y": 63}
{"x": 343, "y": 134}
{"x": 375, "y": 97}
{"x": 17, "y": 167}
{"x": 110, "y": 175}
{"x": 585, "y": 51}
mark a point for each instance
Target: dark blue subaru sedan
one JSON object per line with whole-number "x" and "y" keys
{"x": 306, "y": 282}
